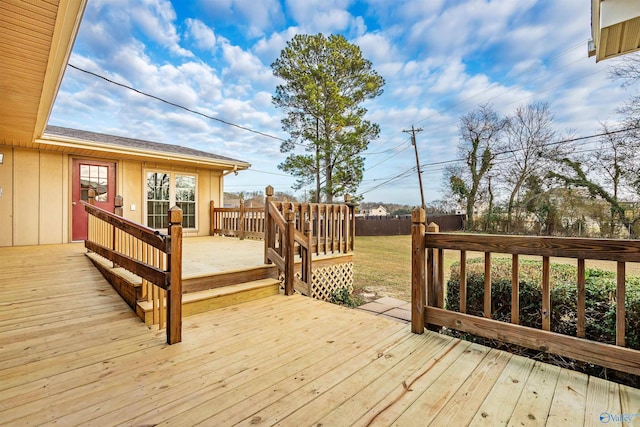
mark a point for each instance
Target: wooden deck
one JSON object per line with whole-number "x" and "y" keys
{"x": 277, "y": 361}
{"x": 215, "y": 254}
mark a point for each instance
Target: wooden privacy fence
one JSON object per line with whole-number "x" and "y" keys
{"x": 282, "y": 242}
{"x": 332, "y": 225}
{"x": 155, "y": 257}
{"x": 428, "y": 291}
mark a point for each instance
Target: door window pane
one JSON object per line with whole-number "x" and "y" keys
{"x": 96, "y": 178}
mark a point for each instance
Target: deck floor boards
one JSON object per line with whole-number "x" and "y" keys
{"x": 73, "y": 353}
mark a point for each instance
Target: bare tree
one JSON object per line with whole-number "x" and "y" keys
{"x": 626, "y": 70}
{"x": 480, "y": 139}
{"x": 605, "y": 173}
{"x": 528, "y": 133}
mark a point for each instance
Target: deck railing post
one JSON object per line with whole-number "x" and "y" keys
{"x": 351, "y": 220}
{"x": 346, "y": 221}
{"x": 241, "y": 221}
{"x": 269, "y": 235}
{"x": 174, "y": 263}
{"x": 212, "y": 218}
{"x": 418, "y": 297}
{"x": 290, "y": 217}
{"x": 118, "y": 204}
{"x": 91, "y": 194}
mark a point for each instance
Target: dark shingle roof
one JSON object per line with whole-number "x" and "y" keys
{"x": 133, "y": 143}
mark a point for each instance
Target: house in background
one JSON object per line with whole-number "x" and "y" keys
{"x": 45, "y": 171}
{"x": 379, "y": 211}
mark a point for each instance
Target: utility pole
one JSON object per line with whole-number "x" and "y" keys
{"x": 413, "y": 142}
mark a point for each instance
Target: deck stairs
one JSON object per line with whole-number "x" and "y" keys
{"x": 200, "y": 293}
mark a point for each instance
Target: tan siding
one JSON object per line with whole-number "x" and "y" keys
{"x": 26, "y": 197}
{"x": 52, "y": 198}
{"x": 6, "y": 199}
{"x": 204, "y": 191}
{"x": 132, "y": 186}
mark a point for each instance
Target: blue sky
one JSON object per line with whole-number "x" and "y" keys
{"x": 440, "y": 59}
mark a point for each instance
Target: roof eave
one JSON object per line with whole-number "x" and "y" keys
{"x": 70, "y": 15}
{"x": 73, "y": 144}
{"x": 615, "y": 28}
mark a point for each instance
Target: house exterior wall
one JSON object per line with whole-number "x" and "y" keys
{"x": 6, "y": 197}
{"x": 36, "y": 195}
{"x": 34, "y": 190}
{"x": 130, "y": 187}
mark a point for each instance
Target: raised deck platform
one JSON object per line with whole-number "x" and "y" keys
{"x": 275, "y": 361}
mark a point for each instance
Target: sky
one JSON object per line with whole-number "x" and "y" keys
{"x": 440, "y": 59}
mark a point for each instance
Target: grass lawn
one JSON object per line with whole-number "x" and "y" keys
{"x": 382, "y": 265}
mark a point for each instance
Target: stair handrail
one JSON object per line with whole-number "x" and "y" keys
{"x": 160, "y": 264}
{"x": 281, "y": 238}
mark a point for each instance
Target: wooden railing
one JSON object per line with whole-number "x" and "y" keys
{"x": 155, "y": 257}
{"x": 332, "y": 225}
{"x": 428, "y": 291}
{"x": 283, "y": 242}
{"x": 239, "y": 222}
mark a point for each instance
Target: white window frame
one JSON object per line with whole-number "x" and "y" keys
{"x": 172, "y": 193}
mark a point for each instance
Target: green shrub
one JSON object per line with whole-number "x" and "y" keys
{"x": 343, "y": 296}
{"x": 600, "y": 306}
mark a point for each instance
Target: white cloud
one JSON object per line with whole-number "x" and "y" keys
{"x": 269, "y": 48}
{"x": 377, "y": 48}
{"x": 244, "y": 65}
{"x": 320, "y": 16}
{"x": 156, "y": 20}
{"x": 256, "y": 17}
{"x": 203, "y": 36}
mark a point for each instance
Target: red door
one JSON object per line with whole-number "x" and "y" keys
{"x": 101, "y": 176}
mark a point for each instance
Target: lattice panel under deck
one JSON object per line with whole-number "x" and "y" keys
{"x": 327, "y": 280}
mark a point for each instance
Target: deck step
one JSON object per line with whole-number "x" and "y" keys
{"x": 228, "y": 288}
{"x": 211, "y": 299}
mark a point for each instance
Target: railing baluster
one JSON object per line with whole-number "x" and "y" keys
{"x": 620, "y": 304}
{"x": 432, "y": 273}
{"x": 463, "y": 281}
{"x": 440, "y": 278}
{"x": 515, "y": 290}
{"x": 326, "y": 228}
{"x": 546, "y": 295}
{"x": 317, "y": 228}
{"x": 487, "y": 285}
{"x": 581, "y": 312}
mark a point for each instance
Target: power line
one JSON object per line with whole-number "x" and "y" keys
{"x": 411, "y": 170}
{"x": 157, "y": 98}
